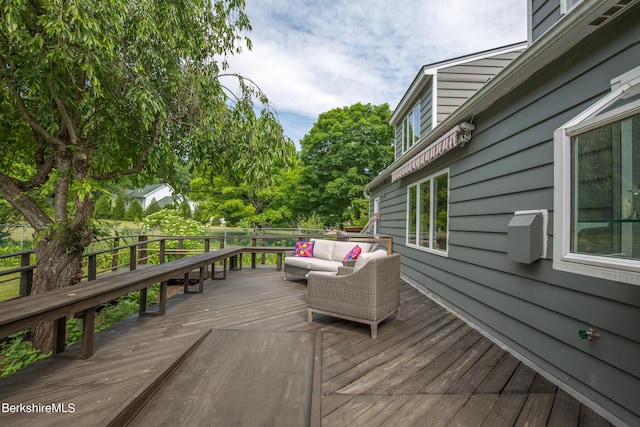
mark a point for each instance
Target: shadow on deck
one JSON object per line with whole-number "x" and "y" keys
{"x": 243, "y": 353}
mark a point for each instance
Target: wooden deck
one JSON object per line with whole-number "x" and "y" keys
{"x": 242, "y": 353}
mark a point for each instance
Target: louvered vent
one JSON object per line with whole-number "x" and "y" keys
{"x": 610, "y": 13}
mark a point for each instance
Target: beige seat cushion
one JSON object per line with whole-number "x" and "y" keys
{"x": 316, "y": 264}
{"x": 323, "y": 249}
{"x": 364, "y": 258}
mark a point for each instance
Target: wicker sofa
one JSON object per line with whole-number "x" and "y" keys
{"x": 367, "y": 293}
{"x": 328, "y": 255}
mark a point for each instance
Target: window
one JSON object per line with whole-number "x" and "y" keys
{"x": 411, "y": 129}
{"x": 598, "y": 195}
{"x": 428, "y": 213}
{"x": 567, "y": 5}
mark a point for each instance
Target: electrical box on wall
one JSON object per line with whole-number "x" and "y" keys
{"x": 527, "y": 236}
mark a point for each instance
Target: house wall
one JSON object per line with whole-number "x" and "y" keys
{"x": 157, "y": 195}
{"x": 458, "y": 83}
{"x": 544, "y": 13}
{"x": 508, "y": 166}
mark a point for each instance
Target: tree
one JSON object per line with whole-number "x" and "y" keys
{"x": 153, "y": 207}
{"x": 119, "y": 209}
{"x": 346, "y": 148}
{"x": 135, "y": 211}
{"x": 91, "y": 92}
{"x": 185, "y": 209}
{"x": 103, "y": 207}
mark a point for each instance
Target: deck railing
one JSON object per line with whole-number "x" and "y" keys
{"x": 112, "y": 254}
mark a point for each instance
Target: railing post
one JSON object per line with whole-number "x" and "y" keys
{"x": 133, "y": 250}
{"x": 142, "y": 249}
{"x": 254, "y": 243}
{"x": 180, "y": 246}
{"x": 163, "y": 246}
{"x": 26, "y": 276}
{"x": 114, "y": 254}
{"x": 92, "y": 267}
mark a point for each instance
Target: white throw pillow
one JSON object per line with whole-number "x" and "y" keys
{"x": 364, "y": 258}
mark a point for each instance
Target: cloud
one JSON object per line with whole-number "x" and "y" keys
{"x": 312, "y": 56}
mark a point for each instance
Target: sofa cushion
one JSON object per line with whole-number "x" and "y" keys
{"x": 323, "y": 248}
{"x": 341, "y": 249}
{"x": 364, "y": 258}
{"x": 315, "y": 264}
{"x": 304, "y": 249}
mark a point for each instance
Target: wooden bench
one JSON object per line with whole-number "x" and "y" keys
{"x": 253, "y": 250}
{"x": 61, "y": 304}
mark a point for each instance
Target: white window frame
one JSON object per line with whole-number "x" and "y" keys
{"x": 417, "y": 184}
{"x": 616, "y": 269}
{"x": 567, "y": 5}
{"x": 408, "y": 143}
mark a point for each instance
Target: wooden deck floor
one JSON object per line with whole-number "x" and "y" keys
{"x": 243, "y": 353}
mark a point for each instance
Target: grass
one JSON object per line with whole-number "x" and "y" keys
{"x": 10, "y": 289}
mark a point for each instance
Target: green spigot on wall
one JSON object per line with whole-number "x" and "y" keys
{"x": 588, "y": 334}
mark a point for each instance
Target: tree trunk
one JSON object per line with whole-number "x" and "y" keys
{"x": 59, "y": 264}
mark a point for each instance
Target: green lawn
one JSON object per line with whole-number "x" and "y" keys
{"x": 10, "y": 289}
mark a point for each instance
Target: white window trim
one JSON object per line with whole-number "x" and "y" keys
{"x": 564, "y": 8}
{"x": 444, "y": 253}
{"x": 405, "y": 141}
{"x": 616, "y": 269}
{"x": 376, "y": 211}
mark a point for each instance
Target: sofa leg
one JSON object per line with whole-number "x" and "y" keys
{"x": 309, "y": 315}
{"x": 374, "y": 330}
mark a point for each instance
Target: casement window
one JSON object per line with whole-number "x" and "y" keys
{"x": 411, "y": 129}
{"x": 428, "y": 213}
{"x": 597, "y": 191}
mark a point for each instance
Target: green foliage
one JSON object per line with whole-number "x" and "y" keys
{"x": 119, "y": 209}
{"x": 103, "y": 208}
{"x": 16, "y": 353}
{"x": 346, "y": 148}
{"x": 236, "y": 213}
{"x": 185, "y": 209}
{"x": 153, "y": 207}
{"x": 95, "y": 92}
{"x": 10, "y": 248}
{"x": 135, "y": 211}
{"x": 171, "y": 223}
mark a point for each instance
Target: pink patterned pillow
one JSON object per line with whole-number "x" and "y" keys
{"x": 353, "y": 253}
{"x": 304, "y": 249}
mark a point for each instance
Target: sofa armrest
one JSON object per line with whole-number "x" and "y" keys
{"x": 343, "y": 271}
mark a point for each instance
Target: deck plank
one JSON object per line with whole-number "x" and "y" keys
{"x": 425, "y": 368}
{"x": 238, "y": 378}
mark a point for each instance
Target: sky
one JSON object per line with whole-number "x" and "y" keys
{"x": 311, "y": 56}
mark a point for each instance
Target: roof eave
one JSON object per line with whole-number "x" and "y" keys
{"x": 560, "y": 38}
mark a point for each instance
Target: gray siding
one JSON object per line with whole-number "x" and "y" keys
{"x": 458, "y": 83}
{"x": 544, "y": 13}
{"x": 426, "y": 110}
{"x": 508, "y": 166}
